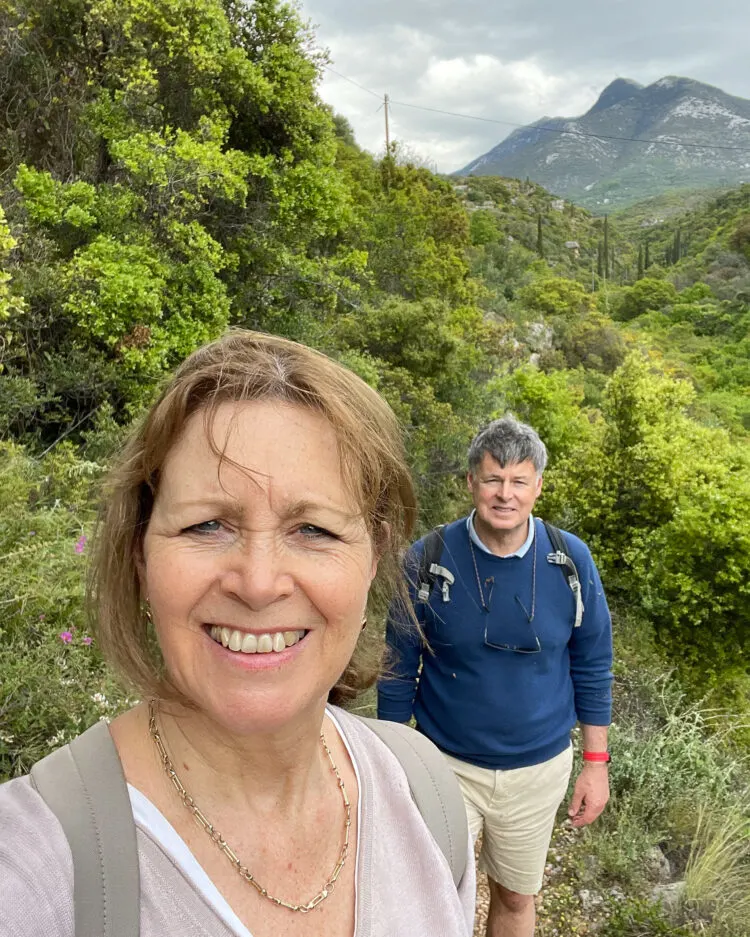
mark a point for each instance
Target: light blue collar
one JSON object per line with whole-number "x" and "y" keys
{"x": 521, "y": 551}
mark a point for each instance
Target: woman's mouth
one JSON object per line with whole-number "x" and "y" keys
{"x": 245, "y": 643}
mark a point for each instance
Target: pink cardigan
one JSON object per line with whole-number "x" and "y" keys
{"x": 404, "y": 885}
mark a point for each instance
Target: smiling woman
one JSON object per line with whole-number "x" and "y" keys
{"x": 252, "y": 535}
{"x": 250, "y": 517}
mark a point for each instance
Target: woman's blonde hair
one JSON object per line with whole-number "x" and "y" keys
{"x": 245, "y": 366}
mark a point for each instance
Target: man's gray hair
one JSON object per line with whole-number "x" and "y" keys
{"x": 508, "y": 441}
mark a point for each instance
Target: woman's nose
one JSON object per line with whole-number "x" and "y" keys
{"x": 258, "y": 571}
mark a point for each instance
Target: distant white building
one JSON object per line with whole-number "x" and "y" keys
{"x": 557, "y": 204}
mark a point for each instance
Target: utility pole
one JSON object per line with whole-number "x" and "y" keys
{"x": 387, "y": 129}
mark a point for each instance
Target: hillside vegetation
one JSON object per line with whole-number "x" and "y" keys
{"x": 168, "y": 171}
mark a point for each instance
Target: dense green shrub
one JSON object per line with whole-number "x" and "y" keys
{"x": 637, "y": 917}
{"x": 53, "y": 683}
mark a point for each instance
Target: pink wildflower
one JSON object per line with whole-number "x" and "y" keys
{"x": 66, "y": 637}
{"x": 80, "y": 544}
{"x": 88, "y": 641}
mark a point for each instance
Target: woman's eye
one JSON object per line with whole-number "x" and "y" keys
{"x": 204, "y": 527}
{"x": 312, "y": 532}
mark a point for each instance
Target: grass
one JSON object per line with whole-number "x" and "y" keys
{"x": 717, "y": 878}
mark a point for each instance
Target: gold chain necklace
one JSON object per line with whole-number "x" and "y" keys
{"x": 219, "y": 840}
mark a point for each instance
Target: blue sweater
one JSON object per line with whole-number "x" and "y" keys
{"x": 495, "y": 708}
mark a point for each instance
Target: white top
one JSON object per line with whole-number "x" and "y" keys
{"x": 153, "y": 822}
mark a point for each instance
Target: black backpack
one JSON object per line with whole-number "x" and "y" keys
{"x": 430, "y": 568}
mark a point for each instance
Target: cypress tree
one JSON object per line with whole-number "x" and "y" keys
{"x": 647, "y": 258}
{"x": 600, "y": 260}
{"x": 640, "y": 261}
{"x": 539, "y": 237}
{"x": 606, "y": 247}
{"x": 677, "y": 253}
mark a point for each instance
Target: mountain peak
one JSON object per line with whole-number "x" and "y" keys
{"x": 672, "y": 81}
{"x": 634, "y": 142}
{"x": 619, "y": 90}
{"x": 677, "y": 84}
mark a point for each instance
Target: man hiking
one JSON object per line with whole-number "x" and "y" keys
{"x": 518, "y": 650}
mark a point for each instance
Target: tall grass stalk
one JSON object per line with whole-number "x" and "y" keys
{"x": 717, "y": 877}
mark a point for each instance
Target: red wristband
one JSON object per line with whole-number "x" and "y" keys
{"x": 597, "y": 756}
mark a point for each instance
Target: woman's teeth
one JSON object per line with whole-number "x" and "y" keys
{"x": 255, "y": 643}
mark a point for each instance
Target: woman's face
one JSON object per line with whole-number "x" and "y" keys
{"x": 262, "y": 551}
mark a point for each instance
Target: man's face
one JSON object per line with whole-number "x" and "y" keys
{"x": 504, "y": 497}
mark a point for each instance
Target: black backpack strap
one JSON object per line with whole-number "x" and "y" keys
{"x": 429, "y": 566}
{"x": 433, "y": 787}
{"x": 84, "y": 786}
{"x": 561, "y": 557}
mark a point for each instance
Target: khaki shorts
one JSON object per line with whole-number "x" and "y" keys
{"x": 515, "y": 810}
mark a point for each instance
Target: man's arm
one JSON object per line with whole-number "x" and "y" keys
{"x": 396, "y": 690}
{"x": 591, "y": 672}
{"x": 591, "y": 791}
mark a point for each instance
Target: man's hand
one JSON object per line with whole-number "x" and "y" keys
{"x": 590, "y": 794}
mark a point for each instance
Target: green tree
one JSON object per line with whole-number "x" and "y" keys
{"x": 550, "y": 402}
{"x": 556, "y": 296}
{"x": 432, "y": 363}
{"x": 483, "y": 228}
{"x": 661, "y": 500}
{"x": 645, "y": 295}
{"x": 179, "y": 175}
{"x": 605, "y": 248}
{"x": 415, "y": 234}
{"x": 539, "y": 237}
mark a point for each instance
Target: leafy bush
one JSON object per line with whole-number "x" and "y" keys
{"x": 636, "y": 917}
{"x": 53, "y": 683}
{"x": 647, "y": 294}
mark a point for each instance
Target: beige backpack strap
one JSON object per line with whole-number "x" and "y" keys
{"x": 433, "y": 787}
{"x": 84, "y": 786}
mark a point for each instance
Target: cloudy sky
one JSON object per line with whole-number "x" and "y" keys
{"x": 512, "y": 61}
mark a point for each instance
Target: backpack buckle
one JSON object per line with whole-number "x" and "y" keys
{"x": 448, "y": 579}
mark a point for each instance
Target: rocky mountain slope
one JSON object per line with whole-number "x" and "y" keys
{"x": 633, "y": 143}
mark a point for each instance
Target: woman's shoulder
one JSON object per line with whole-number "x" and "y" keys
{"x": 372, "y": 757}
{"x": 36, "y": 868}
{"x": 403, "y": 858}
{"x": 402, "y": 764}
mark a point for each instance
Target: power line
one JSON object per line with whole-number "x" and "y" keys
{"x": 576, "y": 133}
{"x": 353, "y": 82}
{"x": 573, "y": 133}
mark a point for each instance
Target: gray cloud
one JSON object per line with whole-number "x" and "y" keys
{"x": 512, "y": 61}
